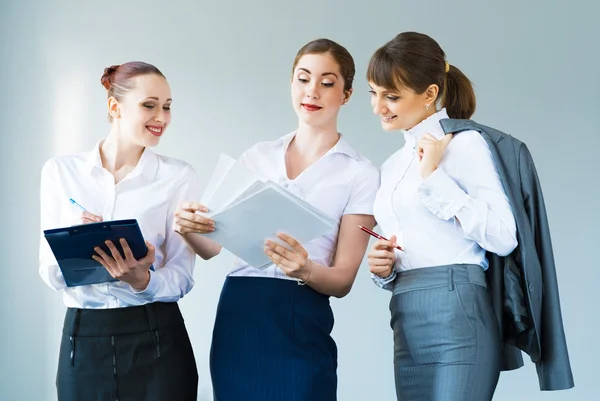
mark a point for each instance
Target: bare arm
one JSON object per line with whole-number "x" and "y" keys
{"x": 338, "y": 279}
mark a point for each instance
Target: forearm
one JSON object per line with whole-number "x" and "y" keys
{"x": 202, "y": 246}
{"x": 334, "y": 281}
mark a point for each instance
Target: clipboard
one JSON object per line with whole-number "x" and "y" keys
{"x": 73, "y": 248}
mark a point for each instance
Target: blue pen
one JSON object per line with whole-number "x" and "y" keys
{"x": 77, "y": 204}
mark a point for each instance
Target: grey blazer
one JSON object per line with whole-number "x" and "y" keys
{"x": 523, "y": 284}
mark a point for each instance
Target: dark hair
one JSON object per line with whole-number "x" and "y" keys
{"x": 117, "y": 78}
{"x": 416, "y": 61}
{"x": 339, "y": 53}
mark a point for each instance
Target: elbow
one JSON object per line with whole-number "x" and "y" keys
{"x": 216, "y": 250}
{"x": 506, "y": 248}
{"x": 343, "y": 291}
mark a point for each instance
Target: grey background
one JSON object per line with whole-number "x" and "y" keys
{"x": 534, "y": 65}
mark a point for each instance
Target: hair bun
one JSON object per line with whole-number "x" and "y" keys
{"x": 106, "y": 77}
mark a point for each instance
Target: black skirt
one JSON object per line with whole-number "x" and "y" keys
{"x": 126, "y": 354}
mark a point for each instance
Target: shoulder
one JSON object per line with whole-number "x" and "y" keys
{"x": 70, "y": 162}
{"x": 174, "y": 167}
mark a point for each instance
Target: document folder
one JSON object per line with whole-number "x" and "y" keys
{"x": 73, "y": 248}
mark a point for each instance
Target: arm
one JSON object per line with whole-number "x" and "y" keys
{"x": 475, "y": 199}
{"x": 49, "y": 218}
{"x": 338, "y": 279}
{"x": 175, "y": 278}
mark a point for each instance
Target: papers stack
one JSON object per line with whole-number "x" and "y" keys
{"x": 248, "y": 210}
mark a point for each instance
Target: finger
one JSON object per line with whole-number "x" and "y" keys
{"x": 283, "y": 263}
{"x": 106, "y": 265}
{"x": 90, "y": 216}
{"x": 280, "y": 250}
{"x": 383, "y": 244}
{"x": 291, "y": 241}
{"x": 127, "y": 251}
{"x": 149, "y": 258}
{"x": 185, "y": 215}
{"x": 381, "y": 270}
{"x": 115, "y": 252}
{"x": 193, "y": 206}
{"x": 381, "y": 254}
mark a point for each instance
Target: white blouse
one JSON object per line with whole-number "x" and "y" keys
{"x": 150, "y": 194}
{"x": 341, "y": 182}
{"x": 455, "y": 215}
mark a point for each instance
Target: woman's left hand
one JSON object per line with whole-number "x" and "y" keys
{"x": 294, "y": 262}
{"x": 127, "y": 269}
{"x": 430, "y": 152}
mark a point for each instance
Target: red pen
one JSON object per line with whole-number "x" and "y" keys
{"x": 374, "y": 234}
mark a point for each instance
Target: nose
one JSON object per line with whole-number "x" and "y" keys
{"x": 162, "y": 116}
{"x": 311, "y": 91}
{"x": 378, "y": 107}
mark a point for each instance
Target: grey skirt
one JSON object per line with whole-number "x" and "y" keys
{"x": 446, "y": 340}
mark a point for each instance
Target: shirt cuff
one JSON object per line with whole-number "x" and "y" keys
{"x": 441, "y": 195}
{"x": 387, "y": 282}
{"x": 151, "y": 290}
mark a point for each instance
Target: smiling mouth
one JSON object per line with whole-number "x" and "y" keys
{"x": 311, "y": 107}
{"x": 156, "y": 131}
{"x": 386, "y": 119}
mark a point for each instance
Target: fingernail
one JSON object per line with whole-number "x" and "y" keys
{"x": 204, "y": 209}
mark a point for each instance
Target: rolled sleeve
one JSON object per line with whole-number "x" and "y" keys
{"x": 442, "y": 195}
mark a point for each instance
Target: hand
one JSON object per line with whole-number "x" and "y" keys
{"x": 86, "y": 218}
{"x": 133, "y": 272}
{"x": 188, "y": 221}
{"x": 294, "y": 262}
{"x": 430, "y": 152}
{"x": 382, "y": 257}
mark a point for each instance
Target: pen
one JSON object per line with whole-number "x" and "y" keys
{"x": 374, "y": 234}
{"x": 77, "y": 204}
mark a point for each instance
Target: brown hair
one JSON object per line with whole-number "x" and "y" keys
{"x": 339, "y": 53}
{"x": 416, "y": 61}
{"x": 117, "y": 79}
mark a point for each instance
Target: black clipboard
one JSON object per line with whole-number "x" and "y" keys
{"x": 73, "y": 248}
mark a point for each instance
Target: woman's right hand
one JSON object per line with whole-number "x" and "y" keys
{"x": 87, "y": 218}
{"x": 381, "y": 257}
{"x": 188, "y": 221}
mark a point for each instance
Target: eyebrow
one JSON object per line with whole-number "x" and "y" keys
{"x": 323, "y": 74}
{"x": 155, "y": 98}
{"x": 385, "y": 92}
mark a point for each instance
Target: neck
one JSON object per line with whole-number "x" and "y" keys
{"x": 315, "y": 141}
{"x": 117, "y": 153}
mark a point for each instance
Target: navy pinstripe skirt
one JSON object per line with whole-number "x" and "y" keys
{"x": 271, "y": 342}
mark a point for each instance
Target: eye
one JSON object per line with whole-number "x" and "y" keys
{"x": 372, "y": 92}
{"x": 327, "y": 84}
{"x": 392, "y": 98}
{"x": 149, "y": 106}
{"x": 167, "y": 108}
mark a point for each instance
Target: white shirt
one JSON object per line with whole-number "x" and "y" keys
{"x": 341, "y": 182}
{"x": 455, "y": 215}
{"x": 150, "y": 194}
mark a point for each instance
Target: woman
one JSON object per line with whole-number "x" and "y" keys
{"x": 442, "y": 201}
{"x": 271, "y": 339}
{"x": 125, "y": 339}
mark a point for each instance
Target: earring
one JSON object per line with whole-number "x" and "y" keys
{"x": 427, "y": 106}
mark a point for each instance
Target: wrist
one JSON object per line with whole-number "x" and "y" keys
{"x": 142, "y": 284}
{"x": 304, "y": 273}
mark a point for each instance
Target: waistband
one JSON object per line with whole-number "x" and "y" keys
{"x": 439, "y": 276}
{"x": 119, "y": 321}
{"x": 248, "y": 283}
